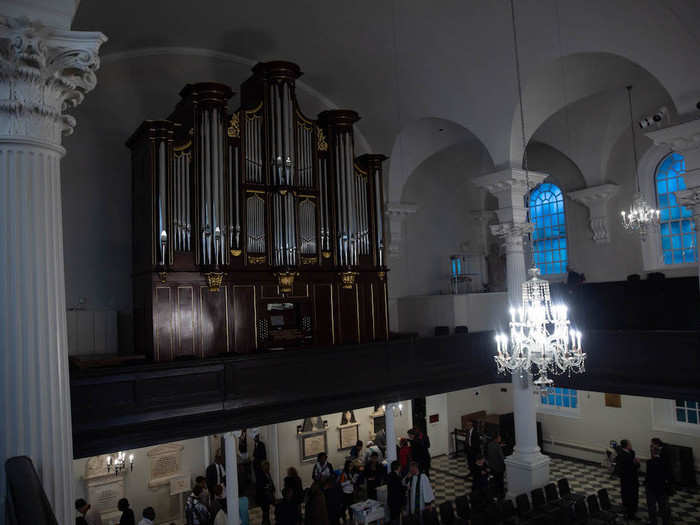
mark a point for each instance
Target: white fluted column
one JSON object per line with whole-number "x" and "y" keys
{"x": 231, "y": 460}
{"x": 527, "y": 468}
{"x": 43, "y": 72}
{"x": 390, "y": 428}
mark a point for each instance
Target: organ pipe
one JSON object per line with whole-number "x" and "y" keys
{"x": 276, "y": 185}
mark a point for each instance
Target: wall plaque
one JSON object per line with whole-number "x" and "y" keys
{"x": 613, "y": 400}
{"x": 104, "y": 488}
{"x": 165, "y": 463}
{"x": 348, "y": 435}
{"x": 312, "y": 444}
{"x": 180, "y": 484}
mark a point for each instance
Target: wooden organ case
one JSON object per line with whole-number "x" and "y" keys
{"x": 255, "y": 230}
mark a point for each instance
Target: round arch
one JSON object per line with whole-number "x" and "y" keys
{"x": 567, "y": 80}
{"x": 418, "y": 141}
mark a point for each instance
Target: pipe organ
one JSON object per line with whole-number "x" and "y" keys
{"x": 255, "y": 229}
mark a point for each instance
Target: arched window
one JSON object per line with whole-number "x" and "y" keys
{"x": 678, "y": 239}
{"x": 549, "y": 236}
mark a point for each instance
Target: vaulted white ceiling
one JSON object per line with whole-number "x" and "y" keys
{"x": 398, "y": 62}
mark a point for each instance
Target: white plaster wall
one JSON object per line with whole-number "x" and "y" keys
{"x": 444, "y": 196}
{"x": 598, "y": 424}
{"x": 136, "y": 488}
{"x": 438, "y": 431}
{"x": 478, "y": 312}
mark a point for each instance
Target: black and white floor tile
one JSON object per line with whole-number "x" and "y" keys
{"x": 448, "y": 481}
{"x": 584, "y": 478}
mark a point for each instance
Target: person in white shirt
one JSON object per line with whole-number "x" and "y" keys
{"x": 322, "y": 469}
{"x": 92, "y": 516}
{"x": 371, "y": 448}
{"x": 148, "y": 516}
{"x": 420, "y": 493}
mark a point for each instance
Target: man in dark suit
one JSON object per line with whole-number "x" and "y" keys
{"x": 627, "y": 466}
{"x": 497, "y": 465}
{"x": 472, "y": 444}
{"x": 658, "y": 483}
{"x": 216, "y": 474}
{"x": 419, "y": 452}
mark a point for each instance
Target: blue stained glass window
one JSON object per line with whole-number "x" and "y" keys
{"x": 687, "y": 411}
{"x": 560, "y": 397}
{"x": 549, "y": 236}
{"x": 678, "y": 238}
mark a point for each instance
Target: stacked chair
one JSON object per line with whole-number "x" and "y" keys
{"x": 596, "y": 512}
{"x": 554, "y": 504}
{"x": 605, "y": 504}
{"x": 565, "y": 492}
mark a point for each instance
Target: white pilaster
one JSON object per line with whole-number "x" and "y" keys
{"x": 231, "y": 460}
{"x": 596, "y": 198}
{"x": 43, "y": 73}
{"x": 273, "y": 454}
{"x": 390, "y": 434}
{"x": 527, "y": 468}
{"x": 396, "y": 213}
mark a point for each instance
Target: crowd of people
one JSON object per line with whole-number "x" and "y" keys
{"x": 329, "y": 498}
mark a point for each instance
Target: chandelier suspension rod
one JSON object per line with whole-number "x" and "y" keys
{"x": 634, "y": 142}
{"x": 516, "y": 49}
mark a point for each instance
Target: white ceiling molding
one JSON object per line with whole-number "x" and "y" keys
{"x": 145, "y": 52}
{"x": 595, "y": 198}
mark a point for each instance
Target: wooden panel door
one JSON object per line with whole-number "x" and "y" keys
{"x": 162, "y": 323}
{"x": 244, "y": 318}
{"x": 349, "y": 315}
{"x": 213, "y": 321}
{"x": 380, "y": 312}
{"x": 324, "y": 315}
{"x": 186, "y": 333}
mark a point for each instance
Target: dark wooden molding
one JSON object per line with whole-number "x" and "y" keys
{"x": 140, "y": 405}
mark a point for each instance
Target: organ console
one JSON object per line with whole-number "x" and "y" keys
{"x": 257, "y": 229}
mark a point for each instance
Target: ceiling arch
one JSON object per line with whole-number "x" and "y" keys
{"x": 418, "y": 141}
{"x": 575, "y": 81}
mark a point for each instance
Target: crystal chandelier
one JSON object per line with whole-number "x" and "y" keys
{"x": 541, "y": 339}
{"x": 640, "y": 217}
{"x": 118, "y": 463}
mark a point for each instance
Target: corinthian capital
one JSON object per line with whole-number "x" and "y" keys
{"x": 512, "y": 233}
{"x": 44, "y": 73}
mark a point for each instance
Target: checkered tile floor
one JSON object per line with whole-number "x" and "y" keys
{"x": 584, "y": 478}
{"x": 447, "y": 478}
